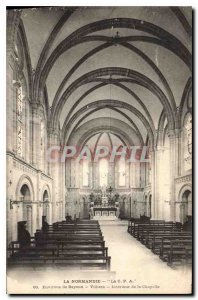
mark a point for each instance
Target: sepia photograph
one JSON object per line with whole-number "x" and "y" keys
{"x": 99, "y": 150}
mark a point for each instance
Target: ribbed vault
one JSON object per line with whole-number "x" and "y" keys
{"x": 81, "y": 70}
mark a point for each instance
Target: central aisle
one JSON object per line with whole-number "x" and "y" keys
{"x": 132, "y": 260}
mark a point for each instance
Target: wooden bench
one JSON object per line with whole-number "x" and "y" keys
{"x": 159, "y": 239}
{"x": 86, "y": 261}
{"x": 167, "y": 239}
{"x": 79, "y": 244}
{"x": 144, "y": 233}
{"x": 176, "y": 249}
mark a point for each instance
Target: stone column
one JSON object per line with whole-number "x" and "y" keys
{"x": 55, "y": 174}
{"x": 37, "y": 112}
{"x": 159, "y": 184}
{"x": 63, "y": 189}
{"x": 29, "y": 219}
{"x": 178, "y": 137}
{"x": 153, "y": 186}
{"x": 173, "y": 166}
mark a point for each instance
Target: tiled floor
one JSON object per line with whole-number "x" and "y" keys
{"x": 131, "y": 259}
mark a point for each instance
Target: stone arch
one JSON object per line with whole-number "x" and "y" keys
{"x": 184, "y": 188}
{"x": 134, "y": 126}
{"x": 124, "y": 44}
{"x": 160, "y": 131}
{"x": 25, "y": 194}
{"x": 25, "y": 180}
{"x": 108, "y": 103}
{"x": 139, "y": 78}
{"x": 184, "y": 100}
{"x": 163, "y": 37}
{"x": 118, "y": 84}
{"x": 46, "y": 188}
{"x": 46, "y": 202}
{"x": 79, "y": 137}
{"x": 184, "y": 203}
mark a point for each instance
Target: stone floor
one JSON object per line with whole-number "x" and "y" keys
{"x": 132, "y": 260}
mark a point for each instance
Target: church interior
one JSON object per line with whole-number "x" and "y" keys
{"x": 96, "y": 78}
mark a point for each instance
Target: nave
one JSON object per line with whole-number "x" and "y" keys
{"x": 99, "y": 130}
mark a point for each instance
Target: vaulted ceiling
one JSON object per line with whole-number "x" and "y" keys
{"x": 126, "y": 63}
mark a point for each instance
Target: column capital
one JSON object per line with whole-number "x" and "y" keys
{"x": 171, "y": 133}
{"x": 160, "y": 148}
{"x": 37, "y": 109}
{"x": 174, "y": 133}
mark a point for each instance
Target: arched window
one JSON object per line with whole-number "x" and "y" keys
{"x": 85, "y": 167}
{"x": 103, "y": 172}
{"x": 189, "y": 134}
{"x": 20, "y": 119}
{"x": 188, "y": 142}
{"x": 42, "y": 145}
{"x": 122, "y": 172}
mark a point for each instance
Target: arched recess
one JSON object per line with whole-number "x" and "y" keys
{"x": 25, "y": 194}
{"x": 125, "y": 206}
{"x": 25, "y": 180}
{"x": 27, "y": 207}
{"x": 46, "y": 205}
{"x": 84, "y": 206}
{"x": 46, "y": 199}
{"x": 184, "y": 205}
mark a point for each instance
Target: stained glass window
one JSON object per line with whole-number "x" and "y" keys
{"x": 103, "y": 171}
{"x": 188, "y": 142}
{"x": 189, "y": 134}
{"x": 19, "y": 120}
{"x": 122, "y": 172}
{"x": 85, "y": 172}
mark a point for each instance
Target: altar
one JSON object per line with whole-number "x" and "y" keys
{"x": 104, "y": 208}
{"x": 104, "y": 213}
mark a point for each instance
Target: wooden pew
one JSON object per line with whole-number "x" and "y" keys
{"x": 167, "y": 239}
{"x": 144, "y": 232}
{"x": 78, "y": 244}
{"x": 176, "y": 249}
{"x": 86, "y": 262}
{"x": 158, "y": 239}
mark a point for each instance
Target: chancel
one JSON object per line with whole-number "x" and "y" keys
{"x": 103, "y": 206}
{"x": 99, "y": 140}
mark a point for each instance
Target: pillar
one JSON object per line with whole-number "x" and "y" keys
{"x": 173, "y": 167}
{"x": 55, "y": 174}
